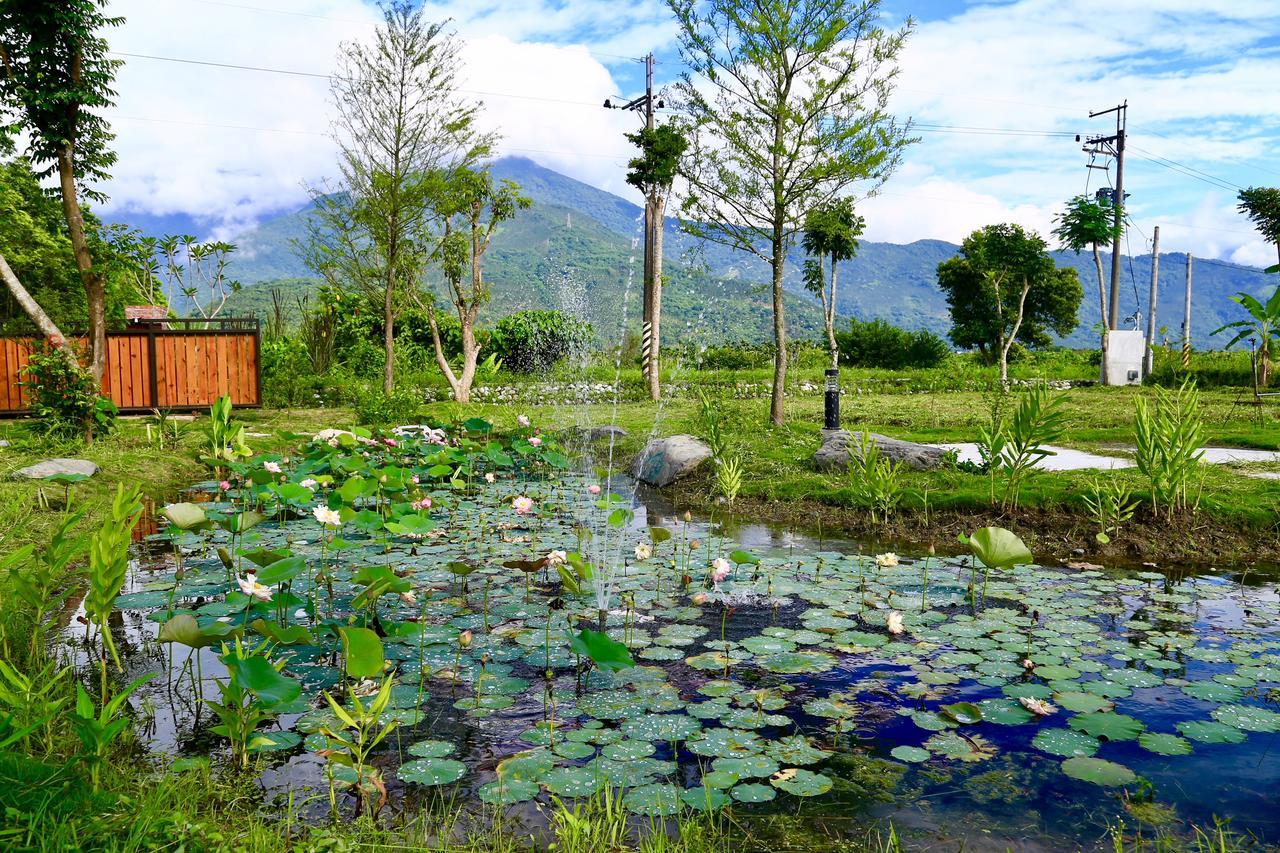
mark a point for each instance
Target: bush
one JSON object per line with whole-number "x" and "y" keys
{"x": 875, "y": 343}
{"x": 64, "y": 398}
{"x": 533, "y": 341}
{"x": 287, "y": 378}
{"x": 401, "y": 406}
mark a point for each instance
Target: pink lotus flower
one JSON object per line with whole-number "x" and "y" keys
{"x": 698, "y": 598}
{"x": 390, "y": 442}
{"x": 1039, "y": 707}
{"x": 271, "y": 467}
{"x": 523, "y": 420}
{"x": 535, "y": 441}
{"x": 490, "y": 477}
{"x": 593, "y": 489}
{"x": 522, "y": 505}
{"x": 415, "y": 479}
{"x": 720, "y": 570}
{"x": 425, "y": 503}
{"x": 225, "y": 486}
{"x": 308, "y": 483}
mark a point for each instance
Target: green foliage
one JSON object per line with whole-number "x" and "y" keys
{"x": 1263, "y": 326}
{"x": 287, "y": 378}
{"x": 109, "y": 563}
{"x": 401, "y": 406}
{"x": 31, "y": 702}
{"x": 98, "y": 731}
{"x": 1169, "y": 434}
{"x": 64, "y": 398}
{"x": 1262, "y": 206}
{"x": 1014, "y": 445}
{"x": 984, "y": 286}
{"x": 534, "y": 341}
{"x": 254, "y": 688}
{"x": 1110, "y": 503}
{"x": 876, "y": 481}
{"x": 660, "y": 151}
{"x": 729, "y": 477}
{"x": 875, "y": 343}
{"x": 362, "y": 730}
{"x": 38, "y": 577}
{"x": 225, "y": 436}
{"x": 1085, "y": 222}
{"x": 606, "y": 653}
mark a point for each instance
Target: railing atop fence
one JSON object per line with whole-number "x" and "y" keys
{"x": 176, "y": 364}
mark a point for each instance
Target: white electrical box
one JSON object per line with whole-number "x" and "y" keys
{"x": 1126, "y": 349}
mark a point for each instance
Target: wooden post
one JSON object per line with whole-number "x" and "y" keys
{"x": 1151, "y": 301}
{"x": 1186, "y": 319}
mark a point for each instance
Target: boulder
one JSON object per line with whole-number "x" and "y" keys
{"x": 602, "y": 433}
{"x": 665, "y": 460}
{"x": 50, "y": 467}
{"x": 837, "y": 445}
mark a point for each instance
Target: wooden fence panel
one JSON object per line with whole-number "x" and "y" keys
{"x": 177, "y": 369}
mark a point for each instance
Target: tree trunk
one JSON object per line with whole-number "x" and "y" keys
{"x": 1006, "y": 344}
{"x": 388, "y": 338}
{"x": 655, "y": 303}
{"x": 33, "y": 310}
{"x": 92, "y": 281}
{"x": 1102, "y": 303}
{"x": 470, "y": 353}
{"x": 777, "y": 400}
{"x": 441, "y": 361}
{"x": 829, "y": 310}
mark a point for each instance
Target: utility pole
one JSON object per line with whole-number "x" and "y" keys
{"x": 1186, "y": 319}
{"x": 652, "y": 293}
{"x": 1114, "y": 147}
{"x": 1151, "y": 301}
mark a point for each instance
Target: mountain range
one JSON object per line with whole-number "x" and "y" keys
{"x": 576, "y": 249}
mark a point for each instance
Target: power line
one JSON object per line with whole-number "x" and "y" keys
{"x": 1190, "y": 171}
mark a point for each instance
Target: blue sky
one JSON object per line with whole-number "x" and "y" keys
{"x": 985, "y": 83}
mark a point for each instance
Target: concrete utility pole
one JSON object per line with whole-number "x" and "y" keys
{"x": 1151, "y": 301}
{"x": 1186, "y": 319}
{"x": 1113, "y": 146}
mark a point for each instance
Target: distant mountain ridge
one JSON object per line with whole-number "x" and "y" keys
{"x": 574, "y": 249}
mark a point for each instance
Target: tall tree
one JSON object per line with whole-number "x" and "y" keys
{"x": 831, "y": 234}
{"x": 653, "y": 173}
{"x": 470, "y": 207}
{"x": 55, "y": 78}
{"x": 1262, "y": 206}
{"x": 1086, "y": 222}
{"x": 786, "y": 104}
{"x": 1004, "y": 287}
{"x": 1263, "y": 326}
{"x": 400, "y": 119}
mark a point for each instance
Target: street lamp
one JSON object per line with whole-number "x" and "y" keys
{"x": 831, "y": 400}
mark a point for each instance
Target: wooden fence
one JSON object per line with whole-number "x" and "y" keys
{"x": 174, "y": 365}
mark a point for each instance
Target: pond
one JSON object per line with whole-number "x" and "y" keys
{"x": 774, "y": 671}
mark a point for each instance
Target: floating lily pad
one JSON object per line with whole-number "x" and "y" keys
{"x": 504, "y": 792}
{"x": 704, "y": 799}
{"x": 794, "y": 749}
{"x": 1108, "y": 725}
{"x": 661, "y": 727}
{"x": 655, "y": 800}
{"x": 1065, "y": 742}
{"x": 1082, "y": 703}
{"x": 629, "y": 750}
{"x": 572, "y": 781}
{"x": 753, "y": 792}
{"x": 1248, "y": 718}
{"x": 274, "y": 741}
{"x": 432, "y": 771}
{"x": 794, "y": 663}
{"x": 911, "y": 754}
{"x": 1098, "y": 771}
{"x": 800, "y": 782}
{"x": 1164, "y": 744}
{"x": 747, "y": 767}
{"x": 1209, "y": 731}
{"x": 430, "y": 749}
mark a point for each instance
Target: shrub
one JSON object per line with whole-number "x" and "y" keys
{"x": 64, "y": 398}
{"x": 401, "y": 406}
{"x": 287, "y": 377}
{"x": 533, "y": 341}
{"x": 875, "y": 343}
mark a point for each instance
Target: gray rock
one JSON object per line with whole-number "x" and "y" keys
{"x": 600, "y": 433}
{"x": 838, "y": 445}
{"x": 665, "y": 460}
{"x": 49, "y": 467}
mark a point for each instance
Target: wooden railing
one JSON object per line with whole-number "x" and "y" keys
{"x": 173, "y": 365}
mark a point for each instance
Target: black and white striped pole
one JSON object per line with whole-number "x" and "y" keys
{"x": 831, "y": 400}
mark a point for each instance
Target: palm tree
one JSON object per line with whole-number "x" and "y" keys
{"x": 1263, "y": 324}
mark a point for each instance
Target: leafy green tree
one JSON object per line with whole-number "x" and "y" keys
{"x": 653, "y": 173}
{"x": 55, "y": 79}
{"x": 787, "y": 107}
{"x": 831, "y": 233}
{"x": 1262, "y": 206}
{"x": 400, "y": 119}
{"x": 1263, "y": 325}
{"x": 470, "y": 208}
{"x": 1086, "y": 222}
{"x": 1004, "y": 287}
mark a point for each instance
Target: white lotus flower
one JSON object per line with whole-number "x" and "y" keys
{"x": 894, "y": 621}
{"x": 271, "y": 467}
{"x": 1039, "y": 707}
{"x": 249, "y": 586}
{"x": 409, "y": 598}
{"x": 887, "y": 560}
{"x": 644, "y": 551}
{"x": 327, "y": 517}
{"x": 309, "y": 484}
{"x": 557, "y": 558}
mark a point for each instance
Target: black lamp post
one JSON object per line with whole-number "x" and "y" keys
{"x": 831, "y": 400}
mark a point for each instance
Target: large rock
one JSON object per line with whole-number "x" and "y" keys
{"x": 665, "y": 460}
{"x": 603, "y": 433}
{"x": 49, "y": 467}
{"x": 838, "y": 445}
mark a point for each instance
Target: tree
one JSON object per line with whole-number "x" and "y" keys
{"x": 653, "y": 173}
{"x": 1004, "y": 287}
{"x": 1262, "y": 206}
{"x": 786, "y": 105}
{"x": 1263, "y": 324}
{"x": 54, "y": 78}
{"x": 1085, "y": 222}
{"x": 400, "y": 120}
{"x": 470, "y": 208}
{"x": 831, "y": 231}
